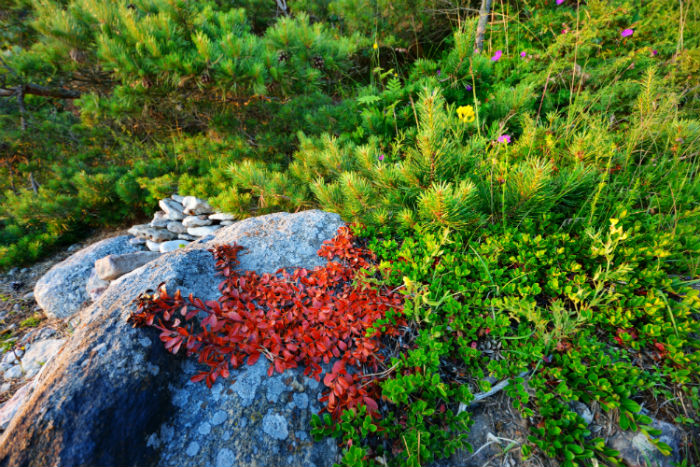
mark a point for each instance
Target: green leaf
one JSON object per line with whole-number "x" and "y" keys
{"x": 631, "y": 405}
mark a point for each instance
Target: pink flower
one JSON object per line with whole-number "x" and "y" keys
{"x": 473, "y": 345}
{"x": 497, "y": 56}
{"x": 504, "y": 139}
{"x": 559, "y": 2}
{"x": 381, "y": 157}
{"x": 523, "y": 54}
{"x": 654, "y": 53}
{"x": 565, "y": 31}
{"x": 627, "y": 32}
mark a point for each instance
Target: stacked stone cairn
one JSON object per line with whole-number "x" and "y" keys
{"x": 181, "y": 220}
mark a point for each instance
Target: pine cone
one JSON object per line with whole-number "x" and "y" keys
{"x": 317, "y": 62}
{"x": 146, "y": 82}
{"x": 205, "y": 77}
{"x": 283, "y": 56}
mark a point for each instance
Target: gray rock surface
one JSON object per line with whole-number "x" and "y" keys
{"x": 151, "y": 233}
{"x": 166, "y": 247}
{"x": 196, "y": 221}
{"x": 153, "y": 246}
{"x": 113, "y": 266}
{"x": 636, "y": 450}
{"x": 222, "y": 216}
{"x": 195, "y": 206}
{"x": 61, "y": 291}
{"x": 95, "y": 286}
{"x": 176, "y": 227}
{"x": 203, "y": 231}
{"x": 114, "y": 396}
{"x": 10, "y": 408}
{"x": 263, "y": 236}
{"x": 160, "y": 219}
{"x": 39, "y": 354}
{"x": 173, "y": 209}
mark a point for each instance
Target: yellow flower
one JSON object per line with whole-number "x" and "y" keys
{"x": 549, "y": 140}
{"x": 466, "y": 113}
{"x": 375, "y": 46}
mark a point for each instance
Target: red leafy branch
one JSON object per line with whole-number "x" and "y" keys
{"x": 303, "y": 318}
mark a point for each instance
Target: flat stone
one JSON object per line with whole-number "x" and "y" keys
{"x": 177, "y": 197}
{"x": 222, "y": 216}
{"x": 141, "y": 231}
{"x": 9, "y": 359}
{"x": 176, "y": 227}
{"x": 160, "y": 219}
{"x": 13, "y": 372}
{"x": 153, "y": 246}
{"x": 225, "y": 223}
{"x": 166, "y": 247}
{"x": 202, "y": 231}
{"x": 196, "y": 221}
{"x": 195, "y": 206}
{"x": 39, "y": 354}
{"x": 149, "y": 232}
{"x": 137, "y": 241}
{"x": 173, "y": 209}
{"x": 184, "y": 236}
{"x": 61, "y": 292}
{"x": 113, "y": 266}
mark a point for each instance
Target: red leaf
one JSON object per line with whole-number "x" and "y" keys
{"x": 253, "y": 358}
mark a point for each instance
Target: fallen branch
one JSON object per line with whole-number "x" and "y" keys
{"x": 38, "y": 90}
{"x": 483, "y": 395}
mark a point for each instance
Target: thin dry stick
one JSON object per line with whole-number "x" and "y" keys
{"x": 481, "y": 25}
{"x": 546, "y": 83}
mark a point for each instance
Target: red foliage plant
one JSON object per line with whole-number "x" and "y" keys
{"x": 303, "y": 318}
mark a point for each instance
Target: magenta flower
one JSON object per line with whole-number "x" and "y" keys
{"x": 497, "y": 56}
{"x": 654, "y": 53}
{"x": 381, "y": 157}
{"x": 559, "y": 2}
{"x": 504, "y": 139}
{"x": 565, "y": 31}
{"x": 438, "y": 72}
{"x": 627, "y": 32}
{"x": 523, "y": 54}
